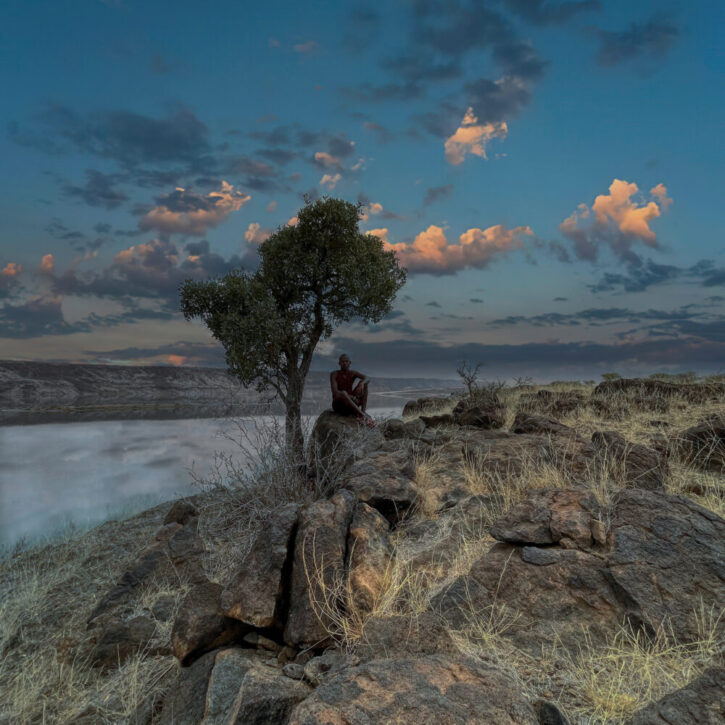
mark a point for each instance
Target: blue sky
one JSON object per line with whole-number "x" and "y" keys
{"x": 550, "y": 174}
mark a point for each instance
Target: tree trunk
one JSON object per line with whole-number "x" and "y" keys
{"x": 294, "y": 438}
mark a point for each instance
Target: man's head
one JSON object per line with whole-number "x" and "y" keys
{"x": 344, "y": 361}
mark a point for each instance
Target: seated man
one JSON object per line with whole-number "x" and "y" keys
{"x": 346, "y": 399}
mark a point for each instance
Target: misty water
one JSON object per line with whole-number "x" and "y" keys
{"x": 79, "y": 474}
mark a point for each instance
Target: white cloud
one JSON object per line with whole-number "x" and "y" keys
{"x": 472, "y": 138}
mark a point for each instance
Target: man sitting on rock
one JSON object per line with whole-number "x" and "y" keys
{"x": 346, "y": 399}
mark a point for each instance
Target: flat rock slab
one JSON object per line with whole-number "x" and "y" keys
{"x": 446, "y": 690}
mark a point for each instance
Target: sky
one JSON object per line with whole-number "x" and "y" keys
{"x": 550, "y": 174}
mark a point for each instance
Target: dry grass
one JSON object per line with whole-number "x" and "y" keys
{"x": 46, "y": 596}
{"x": 611, "y": 682}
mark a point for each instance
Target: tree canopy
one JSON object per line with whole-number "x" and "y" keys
{"x": 312, "y": 277}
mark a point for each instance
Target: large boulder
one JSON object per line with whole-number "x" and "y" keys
{"x": 232, "y": 687}
{"x": 383, "y": 480}
{"x": 639, "y": 466}
{"x": 482, "y": 411}
{"x": 703, "y": 445}
{"x": 120, "y": 640}
{"x": 647, "y": 388}
{"x": 336, "y": 441}
{"x": 437, "y": 689}
{"x": 668, "y": 556}
{"x": 318, "y": 569}
{"x": 425, "y": 405}
{"x": 700, "y": 702}
{"x": 200, "y": 624}
{"x": 369, "y": 553}
{"x": 539, "y": 425}
{"x": 256, "y": 593}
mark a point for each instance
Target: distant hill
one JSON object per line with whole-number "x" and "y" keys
{"x": 41, "y": 384}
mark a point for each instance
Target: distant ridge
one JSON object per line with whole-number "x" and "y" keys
{"x": 28, "y": 384}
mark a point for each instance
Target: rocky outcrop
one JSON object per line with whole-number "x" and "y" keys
{"x": 549, "y": 403}
{"x": 482, "y": 411}
{"x": 660, "y": 559}
{"x": 700, "y": 702}
{"x": 650, "y": 390}
{"x": 539, "y": 425}
{"x": 438, "y": 688}
{"x": 425, "y": 405}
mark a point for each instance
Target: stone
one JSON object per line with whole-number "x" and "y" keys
{"x": 652, "y": 389}
{"x": 200, "y": 624}
{"x": 338, "y": 440}
{"x": 700, "y": 702}
{"x": 548, "y": 516}
{"x": 642, "y": 467}
{"x": 181, "y": 512}
{"x": 487, "y": 415}
{"x": 667, "y": 555}
{"x": 232, "y": 687}
{"x": 433, "y": 421}
{"x": 548, "y": 713}
{"x": 119, "y": 641}
{"x": 435, "y": 689}
{"x": 383, "y": 480}
{"x": 175, "y": 554}
{"x": 395, "y": 429}
{"x": 551, "y": 403}
{"x": 259, "y": 641}
{"x": 703, "y": 445}
{"x": 293, "y": 671}
{"x": 326, "y": 665}
{"x": 163, "y": 608}
{"x": 255, "y": 595}
{"x": 425, "y": 405}
{"x": 318, "y": 567}
{"x": 370, "y": 549}
{"x": 539, "y": 425}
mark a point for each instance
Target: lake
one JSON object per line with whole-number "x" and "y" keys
{"x": 59, "y": 474}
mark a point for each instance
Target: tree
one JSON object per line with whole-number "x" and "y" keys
{"x": 469, "y": 375}
{"x": 312, "y": 276}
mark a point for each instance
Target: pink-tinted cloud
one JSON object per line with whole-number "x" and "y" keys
{"x": 12, "y": 269}
{"x": 431, "y": 252}
{"x": 372, "y": 209}
{"x": 327, "y": 160}
{"x": 310, "y": 46}
{"x": 185, "y": 212}
{"x": 618, "y": 220}
{"x": 255, "y": 234}
{"x": 271, "y": 206}
{"x": 472, "y": 138}
{"x": 382, "y": 233}
{"x": 47, "y": 263}
{"x": 292, "y": 222}
{"x": 176, "y": 360}
{"x": 330, "y": 180}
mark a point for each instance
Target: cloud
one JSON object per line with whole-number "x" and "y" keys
{"x": 325, "y": 160}
{"x": 130, "y": 138}
{"x": 40, "y": 315}
{"x": 176, "y": 360}
{"x": 476, "y": 300}
{"x": 255, "y": 234}
{"x": 381, "y": 233}
{"x": 648, "y": 42}
{"x": 47, "y": 263}
{"x": 98, "y": 190}
{"x": 382, "y": 134}
{"x": 615, "y": 220}
{"x": 185, "y": 212}
{"x": 330, "y": 180}
{"x": 272, "y": 206}
{"x": 12, "y": 269}
{"x": 431, "y": 253}
{"x": 437, "y": 193}
{"x": 541, "y": 12}
{"x": 472, "y": 138}
{"x": 371, "y": 209}
{"x": 497, "y": 100}
{"x": 310, "y": 46}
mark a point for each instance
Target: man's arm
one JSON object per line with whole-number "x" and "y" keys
{"x": 364, "y": 379}
{"x": 333, "y": 385}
